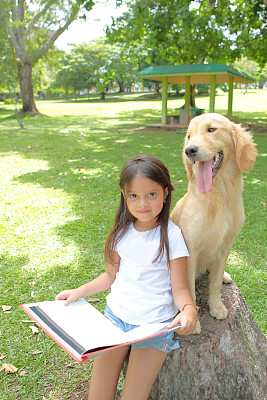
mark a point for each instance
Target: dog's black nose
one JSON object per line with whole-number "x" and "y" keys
{"x": 191, "y": 151}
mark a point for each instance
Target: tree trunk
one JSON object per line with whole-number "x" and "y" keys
{"x": 227, "y": 361}
{"x": 157, "y": 86}
{"x": 192, "y": 96}
{"x": 26, "y": 88}
{"x": 121, "y": 87}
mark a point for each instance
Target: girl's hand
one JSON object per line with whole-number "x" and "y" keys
{"x": 68, "y": 295}
{"x": 187, "y": 319}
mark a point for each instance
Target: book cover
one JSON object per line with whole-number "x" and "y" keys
{"x": 82, "y": 331}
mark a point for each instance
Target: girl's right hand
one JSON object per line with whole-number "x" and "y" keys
{"x": 68, "y": 295}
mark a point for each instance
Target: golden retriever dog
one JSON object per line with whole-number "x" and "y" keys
{"x": 211, "y": 213}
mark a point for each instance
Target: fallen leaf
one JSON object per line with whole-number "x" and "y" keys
{"x": 31, "y": 284}
{"x": 264, "y": 204}
{"x": 34, "y": 329}
{"x": 2, "y": 356}
{"x": 8, "y": 368}
{"x": 26, "y": 320}
{"x": 70, "y": 366}
{"x": 22, "y": 373}
{"x": 6, "y": 308}
{"x": 261, "y": 255}
{"x": 33, "y": 352}
{"x": 93, "y": 300}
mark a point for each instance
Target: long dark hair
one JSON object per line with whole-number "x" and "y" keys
{"x": 152, "y": 168}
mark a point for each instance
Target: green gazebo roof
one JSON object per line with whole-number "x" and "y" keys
{"x": 199, "y": 73}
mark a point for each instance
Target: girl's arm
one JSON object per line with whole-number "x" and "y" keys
{"x": 182, "y": 296}
{"x": 100, "y": 284}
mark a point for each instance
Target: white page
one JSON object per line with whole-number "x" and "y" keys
{"x": 82, "y": 322}
{"x": 89, "y": 327}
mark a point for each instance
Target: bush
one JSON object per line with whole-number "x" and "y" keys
{"x": 8, "y": 101}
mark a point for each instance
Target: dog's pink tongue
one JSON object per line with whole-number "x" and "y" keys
{"x": 204, "y": 176}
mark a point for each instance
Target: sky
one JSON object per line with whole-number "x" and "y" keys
{"x": 81, "y": 31}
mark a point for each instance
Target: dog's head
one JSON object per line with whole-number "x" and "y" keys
{"x": 213, "y": 143}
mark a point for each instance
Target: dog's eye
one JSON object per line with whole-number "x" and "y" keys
{"x": 212, "y": 129}
{"x": 188, "y": 137}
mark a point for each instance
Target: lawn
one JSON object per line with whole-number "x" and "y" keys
{"x": 59, "y": 192}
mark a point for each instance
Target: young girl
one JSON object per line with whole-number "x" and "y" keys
{"x": 146, "y": 272}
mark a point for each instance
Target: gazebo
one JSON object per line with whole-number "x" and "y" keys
{"x": 194, "y": 74}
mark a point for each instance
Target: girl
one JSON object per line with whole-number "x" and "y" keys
{"x": 146, "y": 272}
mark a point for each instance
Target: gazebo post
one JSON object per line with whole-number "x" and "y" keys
{"x": 187, "y": 92}
{"x": 212, "y": 93}
{"x": 164, "y": 96}
{"x": 230, "y": 96}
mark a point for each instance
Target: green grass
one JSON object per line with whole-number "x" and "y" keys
{"x": 58, "y": 194}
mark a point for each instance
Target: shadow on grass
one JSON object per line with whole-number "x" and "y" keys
{"x": 84, "y": 156}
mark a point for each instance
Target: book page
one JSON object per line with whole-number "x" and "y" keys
{"x": 81, "y": 327}
{"x": 81, "y": 321}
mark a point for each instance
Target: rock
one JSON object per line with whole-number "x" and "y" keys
{"x": 227, "y": 361}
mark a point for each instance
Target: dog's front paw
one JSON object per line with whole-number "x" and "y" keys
{"x": 226, "y": 277}
{"x": 218, "y": 310}
{"x": 198, "y": 328}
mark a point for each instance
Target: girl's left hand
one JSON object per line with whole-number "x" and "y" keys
{"x": 187, "y": 319}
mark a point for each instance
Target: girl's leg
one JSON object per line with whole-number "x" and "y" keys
{"x": 143, "y": 368}
{"x": 105, "y": 374}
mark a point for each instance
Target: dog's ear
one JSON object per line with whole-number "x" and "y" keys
{"x": 245, "y": 148}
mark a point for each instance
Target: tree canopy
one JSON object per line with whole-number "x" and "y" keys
{"x": 97, "y": 64}
{"x": 185, "y": 32}
{"x": 32, "y": 28}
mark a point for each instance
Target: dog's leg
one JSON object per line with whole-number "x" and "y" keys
{"x": 226, "y": 277}
{"x": 217, "y": 308}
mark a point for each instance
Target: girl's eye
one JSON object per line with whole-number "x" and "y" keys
{"x": 152, "y": 194}
{"x": 133, "y": 196}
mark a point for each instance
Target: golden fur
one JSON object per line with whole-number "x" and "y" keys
{"x": 210, "y": 222}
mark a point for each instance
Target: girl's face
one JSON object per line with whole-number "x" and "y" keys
{"x": 145, "y": 199}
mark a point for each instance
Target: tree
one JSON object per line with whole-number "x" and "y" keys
{"x": 186, "y": 32}
{"x": 97, "y": 64}
{"x": 32, "y": 28}
{"x": 253, "y": 69}
{"x": 251, "y": 38}
{"x": 8, "y": 73}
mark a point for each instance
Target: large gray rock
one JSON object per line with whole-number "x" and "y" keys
{"x": 227, "y": 361}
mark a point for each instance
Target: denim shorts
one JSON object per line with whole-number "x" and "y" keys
{"x": 164, "y": 342}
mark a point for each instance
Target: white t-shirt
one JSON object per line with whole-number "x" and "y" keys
{"x": 141, "y": 292}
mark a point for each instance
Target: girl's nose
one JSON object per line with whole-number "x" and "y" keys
{"x": 143, "y": 202}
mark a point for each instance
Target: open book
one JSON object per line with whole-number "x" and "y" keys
{"x": 82, "y": 331}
